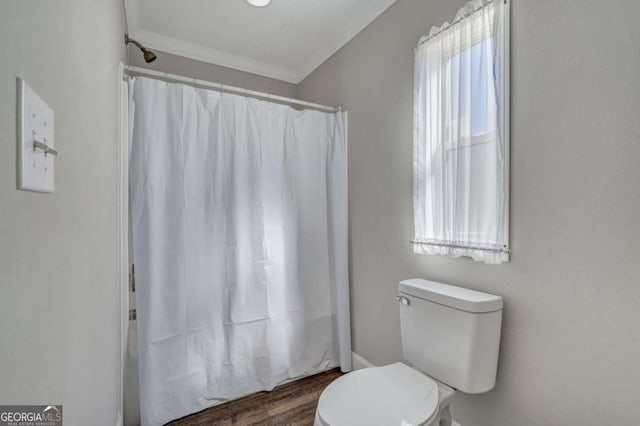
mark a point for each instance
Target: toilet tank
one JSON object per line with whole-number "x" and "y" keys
{"x": 451, "y": 333}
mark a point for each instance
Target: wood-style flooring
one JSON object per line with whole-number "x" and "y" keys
{"x": 291, "y": 404}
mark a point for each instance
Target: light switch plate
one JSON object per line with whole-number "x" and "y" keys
{"x": 35, "y": 166}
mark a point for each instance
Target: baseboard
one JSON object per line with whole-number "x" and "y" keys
{"x": 358, "y": 363}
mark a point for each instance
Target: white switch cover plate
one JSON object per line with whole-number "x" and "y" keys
{"x": 35, "y": 123}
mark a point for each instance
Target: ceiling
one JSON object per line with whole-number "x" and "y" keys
{"x": 286, "y": 40}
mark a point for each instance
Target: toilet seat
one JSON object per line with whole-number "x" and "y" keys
{"x": 395, "y": 394}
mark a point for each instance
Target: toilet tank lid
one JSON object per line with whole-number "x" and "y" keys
{"x": 449, "y": 295}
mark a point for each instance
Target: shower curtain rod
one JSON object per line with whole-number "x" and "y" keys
{"x": 227, "y": 88}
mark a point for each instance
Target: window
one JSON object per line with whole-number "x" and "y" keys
{"x": 461, "y": 130}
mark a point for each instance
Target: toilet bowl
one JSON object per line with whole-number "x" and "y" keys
{"x": 395, "y": 394}
{"x": 450, "y": 340}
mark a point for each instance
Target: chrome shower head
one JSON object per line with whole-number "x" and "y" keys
{"x": 149, "y": 56}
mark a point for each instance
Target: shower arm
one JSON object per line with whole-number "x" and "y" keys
{"x": 128, "y": 40}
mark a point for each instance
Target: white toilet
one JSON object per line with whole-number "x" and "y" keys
{"x": 450, "y": 340}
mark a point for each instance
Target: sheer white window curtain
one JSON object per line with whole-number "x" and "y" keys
{"x": 461, "y": 136}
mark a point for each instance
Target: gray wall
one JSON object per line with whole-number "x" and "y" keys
{"x": 59, "y": 297}
{"x": 174, "y": 64}
{"x": 571, "y": 336}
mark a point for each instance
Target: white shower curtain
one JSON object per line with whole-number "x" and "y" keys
{"x": 238, "y": 211}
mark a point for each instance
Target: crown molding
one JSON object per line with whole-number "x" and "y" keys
{"x": 242, "y": 63}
